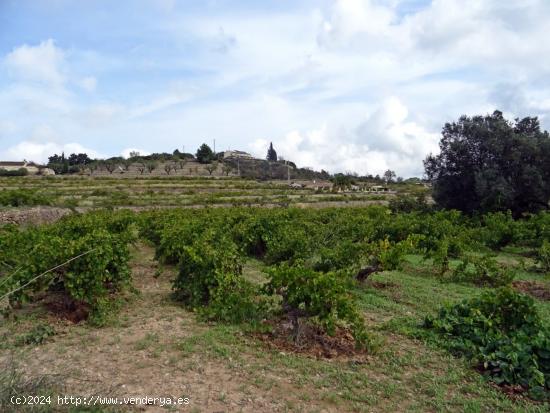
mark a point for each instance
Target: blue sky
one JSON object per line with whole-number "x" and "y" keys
{"x": 349, "y": 85}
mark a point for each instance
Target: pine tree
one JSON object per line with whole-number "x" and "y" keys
{"x": 271, "y": 153}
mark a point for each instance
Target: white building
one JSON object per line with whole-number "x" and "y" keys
{"x": 31, "y": 167}
{"x": 237, "y": 154}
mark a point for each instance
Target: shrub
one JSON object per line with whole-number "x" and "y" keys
{"x": 210, "y": 280}
{"x": 482, "y": 271}
{"x": 17, "y": 172}
{"x": 344, "y": 255}
{"x": 91, "y": 278}
{"x": 23, "y": 197}
{"x": 499, "y": 229}
{"x": 325, "y": 297}
{"x": 288, "y": 242}
{"x": 409, "y": 203}
{"x": 38, "y": 335}
{"x": 203, "y": 265}
{"x": 543, "y": 256}
{"x": 502, "y": 332}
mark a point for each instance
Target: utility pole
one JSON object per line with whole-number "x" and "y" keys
{"x": 214, "y": 146}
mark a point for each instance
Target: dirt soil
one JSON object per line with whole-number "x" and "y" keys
{"x": 313, "y": 342}
{"x": 536, "y": 289}
{"x": 32, "y": 216}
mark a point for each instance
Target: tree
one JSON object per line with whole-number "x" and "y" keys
{"x": 168, "y": 168}
{"x": 182, "y": 162}
{"x": 151, "y": 166}
{"x": 204, "y": 154}
{"x": 58, "y": 163}
{"x": 212, "y": 167}
{"x": 271, "y": 153}
{"x": 389, "y": 175}
{"x": 133, "y": 154}
{"x": 79, "y": 159}
{"x": 488, "y": 163}
{"x": 127, "y": 163}
{"x": 54, "y": 159}
{"x": 342, "y": 181}
{"x": 226, "y": 169}
{"x": 110, "y": 166}
{"x": 141, "y": 167}
{"x": 92, "y": 167}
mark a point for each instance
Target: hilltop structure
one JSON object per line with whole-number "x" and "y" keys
{"x": 237, "y": 154}
{"x": 31, "y": 167}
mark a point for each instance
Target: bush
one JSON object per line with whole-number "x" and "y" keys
{"x": 38, "y": 335}
{"x": 91, "y": 278}
{"x": 325, "y": 297}
{"x": 23, "y": 197}
{"x": 409, "y": 203}
{"x": 499, "y": 229}
{"x": 18, "y": 172}
{"x": 543, "y": 256}
{"x": 344, "y": 255}
{"x": 288, "y": 242}
{"x": 482, "y": 271}
{"x": 210, "y": 280}
{"x": 503, "y": 333}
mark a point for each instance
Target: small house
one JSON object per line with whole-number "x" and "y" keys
{"x": 31, "y": 167}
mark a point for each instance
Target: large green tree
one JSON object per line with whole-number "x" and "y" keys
{"x": 488, "y": 163}
{"x": 204, "y": 154}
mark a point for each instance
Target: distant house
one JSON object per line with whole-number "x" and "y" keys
{"x": 318, "y": 185}
{"x": 237, "y": 154}
{"x": 379, "y": 188}
{"x": 31, "y": 167}
{"x": 314, "y": 184}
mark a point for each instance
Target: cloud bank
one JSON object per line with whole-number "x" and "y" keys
{"x": 346, "y": 85}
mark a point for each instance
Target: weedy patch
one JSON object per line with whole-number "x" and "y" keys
{"x": 38, "y": 335}
{"x": 13, "y": 382}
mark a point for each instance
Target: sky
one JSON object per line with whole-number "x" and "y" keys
{"x": 346, "y": 86}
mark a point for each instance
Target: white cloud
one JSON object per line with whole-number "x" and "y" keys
{"x": 387, "y": 130}
{"x": 39, "y": 152}
{"x": 385, "y": 139}
{"x": 323, "y": 89}
{"x": 126, "y": 152}
{"x": 158, "y": 103}
{"x": 41, "y": 63}
{"x": 350, "y": 17}
{"x": 89, "y": 83}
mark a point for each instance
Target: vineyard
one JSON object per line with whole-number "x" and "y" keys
{"x": 313, "y": 289}
{"x": 84, "y": 193}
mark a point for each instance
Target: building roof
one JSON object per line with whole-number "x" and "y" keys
{"x": 21, "y": 164}
{"x": 239, "y": 152}
{"x": 11, "y": 163}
